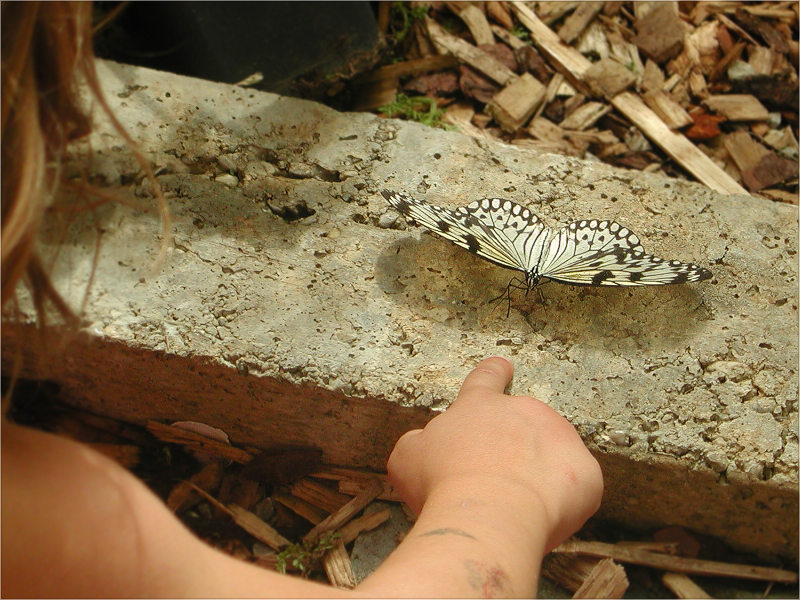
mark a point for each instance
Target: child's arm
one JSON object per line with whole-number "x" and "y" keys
{"x": 497, "y": 481}
{"x": 501, "y": 480}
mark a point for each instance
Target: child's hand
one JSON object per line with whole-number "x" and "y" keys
{"x": 514, "y": 451}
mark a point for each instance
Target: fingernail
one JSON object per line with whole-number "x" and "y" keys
{"x": 501, "y": 358}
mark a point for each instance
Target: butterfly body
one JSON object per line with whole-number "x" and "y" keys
{"x": 586, "y": 252}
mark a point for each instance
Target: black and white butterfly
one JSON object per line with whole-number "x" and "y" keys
{"x": 589, "y": 252}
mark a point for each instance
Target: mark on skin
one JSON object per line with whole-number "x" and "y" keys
{"x": 492, "y": 582}
{"x": 448, "y": 530}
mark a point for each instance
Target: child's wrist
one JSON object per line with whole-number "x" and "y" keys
{"x": 494, "y": 503}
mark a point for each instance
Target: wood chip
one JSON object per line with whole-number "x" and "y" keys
{"x": 312, "y": 514}
{"x": 548, "y": 147}
{"x": 353, "y": 487}
{"x": 183, "y": 496}
{"x": 607, "y": 78}
{"x": 373, "y": 95}
{"x": 782, "y": 140}
{"x": 760, "y": 59}
{"x": 475, "y": 57}
{"x": 771, "y": 169}
{"x": 195, "y": 441}
{"x": 499, "y": 12}
{"x": 248, "y": 521}
{"x": 550, "y": 12}
{"x": 545, "y": 130}
{"x": 408, "y": 67}
{"x": 672, "y": 113}
{"x": 737, "y": 107}
{"x": 721, "y": 67}
{"x": 460, "y": 115}
{"x": 356, "y": 527}
{"x": 584, "y": 117}
{"x": 781, "y": 196}
{"x": 516, "y": 103}
{"x": 574, "y": 66}
{"x": 354, "y": 481}
{"x": 697, "y": 85}
{"x": 759, "y": 27}
{"x": 571, "y": 63}
{"x": 744, "y": 150}
{"x": 348, "y": 511}
{"x": 625, "y": 54}
{"x": 683, "y": 587}
{"x": 477, "y": 24}
{"x": 568, "y": 570}
{"x": 319, "y": 495}
{"x": 660, "y": 32}
{"x": 578, "y": 21}
{"x": 606, "y": 580}
{"x": 679, "y": 564}
{"x": 338, "y": 567}
{"x": 507, "y": 37}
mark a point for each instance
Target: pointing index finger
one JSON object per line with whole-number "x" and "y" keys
{"x": 491, "y": 375}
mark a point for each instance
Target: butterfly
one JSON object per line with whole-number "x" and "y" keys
{"x": 588, "y": 252}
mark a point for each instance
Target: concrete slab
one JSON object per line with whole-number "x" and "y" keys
{"x": 296, "y": 307}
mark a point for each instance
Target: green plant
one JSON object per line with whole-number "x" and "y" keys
{"x": 521, "y": 33}
{"x": 416, "y": 108}
{"x": 303, "y": 555}
{"x": 408, "y": 16}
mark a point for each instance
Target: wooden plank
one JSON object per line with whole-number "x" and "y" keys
{"x": 516, "y": 103}
{"x": 475, "y": 57}
{"x": 573, "y": 65}
{"x": 579, "y": 20}
{"x": 679, "y": 564}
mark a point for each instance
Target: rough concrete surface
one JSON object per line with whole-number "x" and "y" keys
{"x": 296, "y": 306}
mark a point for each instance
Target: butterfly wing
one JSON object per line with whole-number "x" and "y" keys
{"x": 497, "y": 230}
{"x": 606, "y": 253}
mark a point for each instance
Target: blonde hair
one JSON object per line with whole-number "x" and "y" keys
{"x": 46, "y": 55}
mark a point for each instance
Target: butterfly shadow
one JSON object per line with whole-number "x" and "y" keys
{"x": 425, "y": 274}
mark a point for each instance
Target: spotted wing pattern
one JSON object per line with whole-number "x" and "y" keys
{"x": 501, "y": 231}
{"x": 588, "y": 252}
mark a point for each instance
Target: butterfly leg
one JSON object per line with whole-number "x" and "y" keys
{"x": 516, "y": 284}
